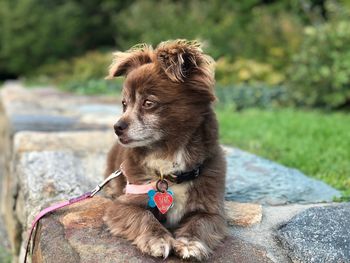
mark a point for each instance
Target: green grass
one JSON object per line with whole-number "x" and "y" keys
{"x": 315, "y": 142}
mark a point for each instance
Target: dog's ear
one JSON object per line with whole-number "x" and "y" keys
{"x": 179, "y": 57}
{"x": 124, "y": 62}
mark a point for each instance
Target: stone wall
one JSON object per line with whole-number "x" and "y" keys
{"x": 55, "y": 147}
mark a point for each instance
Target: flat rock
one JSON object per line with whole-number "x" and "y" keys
{"x": 50, "y": 167}
{"x": 77, "y": 234}
{"x": 319, "y": 234}
{"x": 80, "y": 142}
{"x": 51, "y": 110}
{"x": 57, "y": 146}
{"x": 251, "y": 178}
{"x": 243, "y": 214}
{"x": 263, "y": 234}
{"x": 57, "y": 166}
{"x": 4, "y": 244}
{"x": 5, "y": 250}
{"x": 54, "y": 166}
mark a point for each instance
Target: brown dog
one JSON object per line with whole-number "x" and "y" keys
{"x": 168, "y": 127}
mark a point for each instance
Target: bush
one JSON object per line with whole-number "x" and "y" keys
{"x": 320, "y": 73}
{"x": 94, "y": 86}
{"x": 92, "y": 65}
{"x": 253, "y": 96}
{"x": 231, "y": 29}
{"x": 246, "y": 71}
{"x": 35, "y": 32}
{"x": 84, "y": 74}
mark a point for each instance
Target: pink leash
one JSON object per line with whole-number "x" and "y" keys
{"x": 64, "y": 204}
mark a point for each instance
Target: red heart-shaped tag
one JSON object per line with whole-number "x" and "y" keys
{"x": 163, "y": 201}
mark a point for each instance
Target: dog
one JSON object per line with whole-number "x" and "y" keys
{"x": 168, "y": 130}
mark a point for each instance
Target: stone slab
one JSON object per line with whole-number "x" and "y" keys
{"x": 263, "y": 233}
{"x": 57, "y": 166}
{"x": 77, "y": 234}
{"x": 80, "y": 142}
{"x": 5, "y": 256}
{"x": 4, "y": 242}
{"x": 48, "y": 109}
{"x": 3, "y": 235}
{"x": 319, "y": 234}
{"x": 251, "y": 178}
{"x": 243, "y": 214}
{"x": 50, "y": 123}
{"x": 49, "y": 167}
{"x": 54, "y": 173}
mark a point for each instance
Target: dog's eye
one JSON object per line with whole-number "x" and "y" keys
{"x": 147, "y": 104}
{"x": 124, "y": 105}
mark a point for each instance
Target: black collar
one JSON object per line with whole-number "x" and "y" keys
{"x": 180, "y": 177}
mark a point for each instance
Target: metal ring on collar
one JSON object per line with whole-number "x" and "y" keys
{"x": 163, "y": 182}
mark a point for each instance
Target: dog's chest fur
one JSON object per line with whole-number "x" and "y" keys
{"x": 175, "y": 213}
{"x": 168, "y": 166}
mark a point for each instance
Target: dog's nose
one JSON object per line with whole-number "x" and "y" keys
{"x": 119, "y": 127}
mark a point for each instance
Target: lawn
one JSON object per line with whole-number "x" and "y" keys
{"x": 315, "y": 142}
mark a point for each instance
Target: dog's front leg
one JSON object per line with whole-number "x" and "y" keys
{"x": 139, "y": 225}
{"x": 199, "y": 234}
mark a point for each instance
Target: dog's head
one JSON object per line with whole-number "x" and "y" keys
{"x": 166, "y": 94}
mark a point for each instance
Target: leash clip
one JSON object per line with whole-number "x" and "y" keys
{"x": 101, "y": 185}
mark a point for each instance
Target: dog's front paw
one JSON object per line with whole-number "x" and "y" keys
{"x": 155, "y": 246}
{"x": 187, "y": 248}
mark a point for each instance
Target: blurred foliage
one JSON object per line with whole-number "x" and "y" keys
{"x": 242, "y": 96}
{"x": 320, "y": 73}
{"x": 92, "y": 65}
{"x": 83, "y": 74}
{"x": 267, "y": 32}
{"x": 36, "y": 32}
{"x": 246, "y": 71}
{"x": 94, "y": 86}
{"x": 257, "y": 43}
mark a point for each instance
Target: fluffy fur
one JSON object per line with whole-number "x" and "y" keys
{"x": 168, "y": 125}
